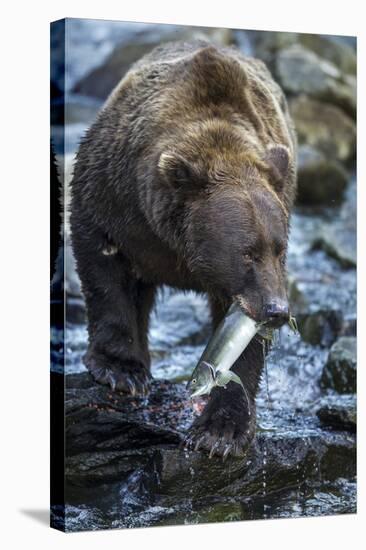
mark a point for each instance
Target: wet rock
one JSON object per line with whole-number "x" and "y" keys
{"x": 125, "y": 468}
{"x": 320, "y": 327}
{"x": 320, "y": 180}
{"x": 324, "y": 127}
{"x": 338, "y": 243}
{"x": 98, "y": 419}
{"x": 92, "y": 469}
{"x": 305, "y": 498}
{"x": 300, "y": 70}
{"x": 101, "y": 80}
{"x": 337, "y": 413}
{"x": 110, "y": 437}
{"x": 339, "y": 372}
{"x": 322, "y": 294}
{"x": 339, "y": 237}
{"x": 276, "y": 460}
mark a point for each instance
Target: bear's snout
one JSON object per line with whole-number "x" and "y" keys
{"x": 276, "y": 312}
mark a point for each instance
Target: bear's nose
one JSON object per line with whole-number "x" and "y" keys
{"x": 276, "y": 312}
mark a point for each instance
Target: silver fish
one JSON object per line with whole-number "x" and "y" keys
{"x": 206, "y": 379}
{"x": 229, "y": 341}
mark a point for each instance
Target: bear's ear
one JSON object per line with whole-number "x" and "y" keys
{"x": 177, "y": 171}
{"x": 278, "y": 161}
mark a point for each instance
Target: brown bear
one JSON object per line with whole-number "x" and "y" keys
{"x": 186, "y": 179}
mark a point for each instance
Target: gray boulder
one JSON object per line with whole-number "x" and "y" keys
{"x": 338, "y": 413}
{"x": 339, "y": 243}
{"x": 338, "y": 238}
{"x": 300, "y": 70}
{"x": 324, "y": 127}
{"x": 339, "y": 372}
{"x": 266, "y": 46}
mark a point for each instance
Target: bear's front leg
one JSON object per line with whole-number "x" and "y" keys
{"x": 227, "y": 424}
{"x": 118, "y": 308}
{"x": 225, "y": 427}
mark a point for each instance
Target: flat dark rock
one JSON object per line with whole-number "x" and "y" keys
{"x": 338, "y": 413}
{"x": 113, "y": 438}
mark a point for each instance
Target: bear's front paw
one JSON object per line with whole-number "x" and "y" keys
{"x": 226, "y": 426}
{"x": 130, "y": 377}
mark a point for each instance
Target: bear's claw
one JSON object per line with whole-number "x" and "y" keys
{"x": 224, "y": 428}
{"x": 128, "y": 377}
{"x": 216, "y": 445}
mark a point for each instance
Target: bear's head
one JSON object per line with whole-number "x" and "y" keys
{"x": 227, "y": 204}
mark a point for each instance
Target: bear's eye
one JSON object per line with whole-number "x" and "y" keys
{"x": 194, "y": 381}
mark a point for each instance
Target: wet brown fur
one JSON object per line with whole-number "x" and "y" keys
{"x": 189, "y": 172}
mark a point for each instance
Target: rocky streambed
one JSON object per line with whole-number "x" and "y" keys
{"x": 125, "y": 468}
{"x": 124, "y": 464}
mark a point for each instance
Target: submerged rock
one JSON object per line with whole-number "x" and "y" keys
{"x": 324, "y": 127}
{"x": 339, "y": 372}
{"x": 320, "y": 180}
{"x": 337, "y": 413}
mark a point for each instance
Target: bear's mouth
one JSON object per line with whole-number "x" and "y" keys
{"x": 239, "y": 298}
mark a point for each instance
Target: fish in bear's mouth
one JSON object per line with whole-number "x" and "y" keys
{"x": 228, "y": 342}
